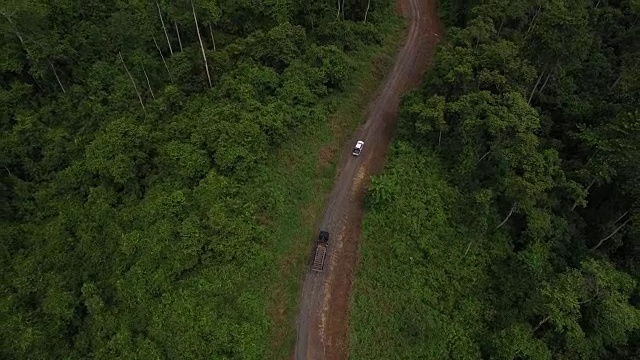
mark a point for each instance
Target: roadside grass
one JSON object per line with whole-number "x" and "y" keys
{"x": 300, "y": 176}
{"x": 419, "y": 290}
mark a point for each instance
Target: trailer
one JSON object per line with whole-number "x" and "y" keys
{"x": 321, "y": 251}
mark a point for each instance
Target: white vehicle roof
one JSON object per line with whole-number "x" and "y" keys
{"x": 359, "y": 143}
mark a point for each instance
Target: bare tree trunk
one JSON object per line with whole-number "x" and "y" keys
{"x": 178, "y": 32}
{"x": 483, "y": 156}
{"x": 533, "y": 21}
{"x": 591, "y": 298}
{"x": 17, "y": 33}
{"x": 597, "y": 4}
{"x": 162, "y": 56}
{"x": 592, "y": 156}
{"x": 613, "y": 233}
{"x": 6, "y": 168}
{"x": 468, "y": 247}
{"x": 212, "y": 39}
{"x": 508, "y": 216}
{"x": 587, "y": 189}
{"x": 541, "y": 322}
{"x": 501, "y": 24}
{"x": 206, "y": 64}
{"x": 132, "y": 82}
{"x": 22, "y": 43}
{"x": 535, "y": 87}
{"x": 621, "y": 216}
{"x": 439, "y": 138}
{"x": 616, "y": 82}
{"x": 338, "y": 14}
{"x": 367, "y": 11}
{"x": 545, "y": 82}
{"x": 148, "y": 83}
{"x": 342, "y": 9}
{"x": 57, "y": 78}
{"x": 164, "y": 29}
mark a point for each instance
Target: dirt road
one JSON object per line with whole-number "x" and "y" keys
{"x": 323, "y": 318}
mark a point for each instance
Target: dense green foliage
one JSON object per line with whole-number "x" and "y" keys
{"x": 507, "y": 224}
{"x": 136, "y": 200}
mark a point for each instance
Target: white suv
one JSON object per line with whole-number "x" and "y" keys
{"x": 358, "y": 148}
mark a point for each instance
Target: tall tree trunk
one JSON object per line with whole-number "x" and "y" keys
{"x": 483, "y": 156}
{"x": 132, "y": 82}
{"x": 212, "y": 39}
{"x": 164, "y": 29}
{"x": 615, "y": 82}
{"x": 162, "y": 56}
{"x": 178, "y": 32}
{"x": 6, "y": 168}
{"x": 148, "y": 83}
{"x": 508, "y": 216}
{"x": 206, "y": 64}
{"x": 22, "y": 42}
{"x": 24, "y": 46}
{"x": 541, "y": 322}
{"x": 502, "y": 21}
{"x": 16, "y": 32}
{"x": 621, "y": 217}
{"x": 338, "y": 14}
{"x": 342, "y": 9}
{"x": 56, "y": 74}
{"x": 614, "y": 231}
{"x": 575, "y": 203}
{"x": 533, "y": 21}
{"x": 439, "y": 138}
{"x": 545, "y": 82}
{"x": 367, "y": 11}
{"x": 535, "y": 87}
{"x": 468, "y": 247}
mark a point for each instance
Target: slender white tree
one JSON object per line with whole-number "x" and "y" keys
{"x": 204, "y": 56}
{"x": 178, "y": 32}
{"x": 164, "y": 28}
{"x": 212, "y": 39}
{"x": 535, "y": 87}
{"x": 615, "y": 231}
{"x": 367, "y": 11}
{"x": 132, "y": 82}
{"x": 508, "y": 216}
{"x": 148, "y": 83}
{"x": 56, "y": 74}
{"x": 162, "y": 56}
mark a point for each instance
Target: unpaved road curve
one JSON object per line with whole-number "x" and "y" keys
{"x": 323, "y": 318}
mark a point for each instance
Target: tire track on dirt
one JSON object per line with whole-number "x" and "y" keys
{"x": 324, "y": 305}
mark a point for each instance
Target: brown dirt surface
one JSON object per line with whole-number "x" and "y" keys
{"x": 323, "y": 327}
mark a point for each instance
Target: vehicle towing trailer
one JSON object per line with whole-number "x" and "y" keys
{"x": 321, "y": 251}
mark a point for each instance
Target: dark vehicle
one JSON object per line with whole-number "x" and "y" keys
{"x": 321, "y": 251}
